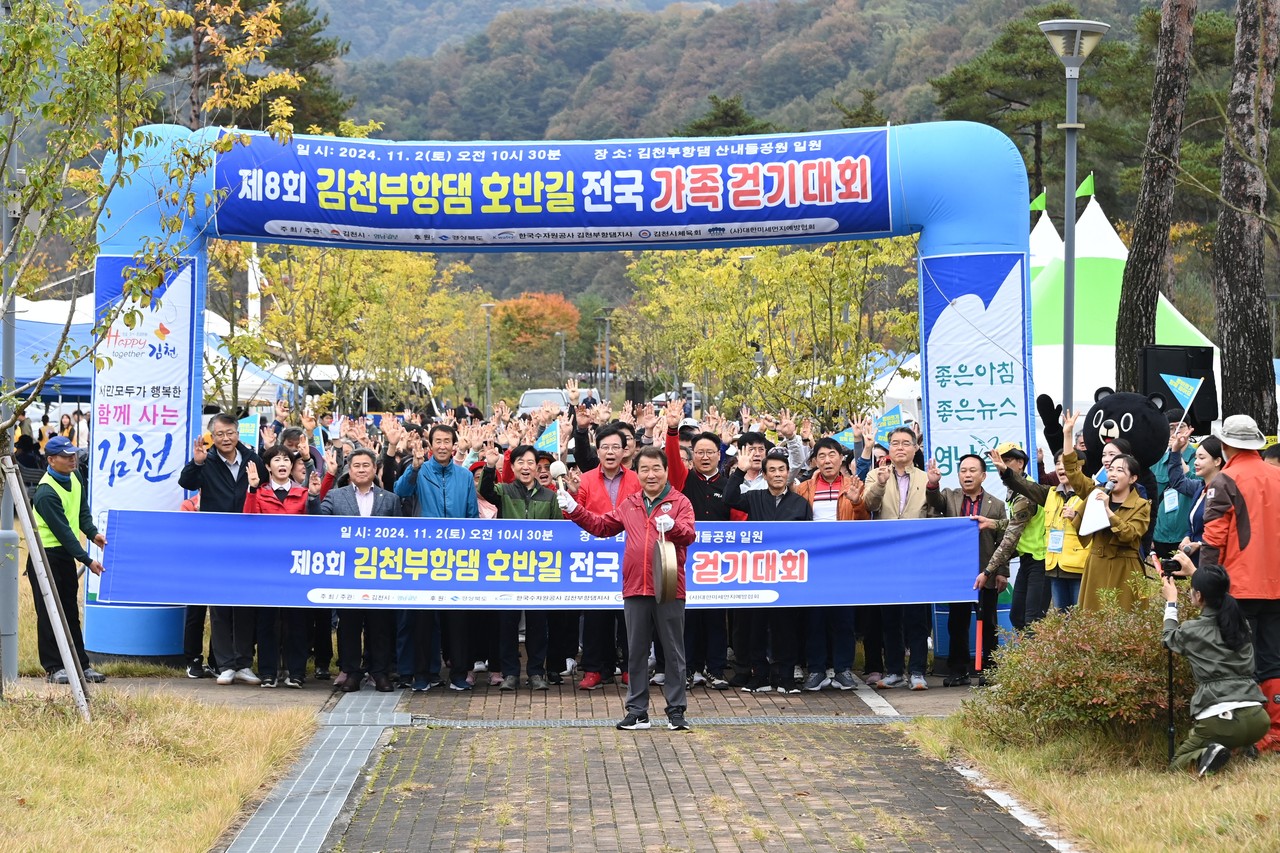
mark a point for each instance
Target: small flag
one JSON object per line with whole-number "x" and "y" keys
{"x": 890, "y": 420}
{"x": 1086, "y": 187}
{"x": 317, "y": 437}
{"x": 1183, "y": 388}
{"x": 549, "y": 441}
{"x": 249, "y": 431}
{"x": 846, "y": 439}
{"x": 1037, "y": 203}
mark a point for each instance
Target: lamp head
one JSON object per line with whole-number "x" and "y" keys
{"x": 1073, "y": 40}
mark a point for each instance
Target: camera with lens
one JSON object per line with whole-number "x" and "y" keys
{"x": 1169, "y": 567}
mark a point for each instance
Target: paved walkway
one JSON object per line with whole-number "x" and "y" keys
{"x": 547, "y": 772}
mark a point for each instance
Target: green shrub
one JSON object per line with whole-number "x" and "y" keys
{"x": 1102, "y": 671}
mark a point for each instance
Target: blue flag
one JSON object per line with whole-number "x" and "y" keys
{"x": 1183, "y": 388}
{"x": 890, "y": 420}
{"x": 249, "y": 431}
{"x": 845, "y": 437}
{"x": 549, "y": 441}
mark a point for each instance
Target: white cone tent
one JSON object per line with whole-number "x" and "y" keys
{"x": 1100, "y": 260}
{"x": 1046, "y": 245}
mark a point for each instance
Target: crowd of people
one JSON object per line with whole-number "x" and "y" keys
{"x": 655, "y": 473}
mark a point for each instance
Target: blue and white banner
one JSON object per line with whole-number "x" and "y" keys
{"x": 554, "y": 195}
{"x": 329, "y": 561}
{"x": 975, "y": 332}
{"x": 146, "y": 394}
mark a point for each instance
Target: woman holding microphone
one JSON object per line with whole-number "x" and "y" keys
{"x": 1114, "y": 550}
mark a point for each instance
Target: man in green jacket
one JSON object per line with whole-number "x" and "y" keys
{"x": 529, "y": 500}
{"x": 61, "y": 505}
{"x": 1024, "y": 537}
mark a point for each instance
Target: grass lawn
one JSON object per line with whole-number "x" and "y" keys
{"x": 147, "y": 774}
{"x": 1094, "y": 792}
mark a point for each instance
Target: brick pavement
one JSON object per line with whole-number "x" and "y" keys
{"x": 754, "y": 788}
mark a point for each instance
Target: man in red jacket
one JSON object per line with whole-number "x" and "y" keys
{"x": 601, "y": 490}
{"x": 1242, "y": 534}
{"x": 658, "y": 511}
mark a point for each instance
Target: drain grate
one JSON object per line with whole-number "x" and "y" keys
{"x": 438, "y": 722}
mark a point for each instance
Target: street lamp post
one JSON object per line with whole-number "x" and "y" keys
{"x": 560, "y": 335}
{"x": 488, "y": 358}
{"x": 1072, "y": 41}
{"x": 608, "y": 321}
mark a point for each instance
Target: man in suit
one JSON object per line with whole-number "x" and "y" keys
{"x": 897, "y": 490}
{"x": 362, "y": 498}
{"x": 971, "y": 500}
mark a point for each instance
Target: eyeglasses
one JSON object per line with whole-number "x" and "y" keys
{"x": 225, "y": 433}
{"x": 706, "y": 453}
{"x": 605, "y": 448}
{"x": 902, "y": 443}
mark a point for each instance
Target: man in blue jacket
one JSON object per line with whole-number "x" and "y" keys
{"x": 443, "y": 489}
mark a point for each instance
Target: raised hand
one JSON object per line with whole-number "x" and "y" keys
{"x": 331, "y": 459}
{"x": 252, "y": 473}
{"x": 309, "y": 423}
{"x": 853, "y": 491}
{"x": 997, "y": 460}
{"x": 415, "y": 447}
{"x": 673, "y": 414}
{"x": 313, "y": 485}
{"x": 882, "y": 473}
{"x": 199, "y": 453}
{"x": 932, "y": 475}
{"x": 270, "y": 436}
{"x": 571, "y": 385}
{"x": 582, "y": 417}
{"x": 492, "y": 456}
{"x": 786, "y": 426}
{"x": 806, "y": 431}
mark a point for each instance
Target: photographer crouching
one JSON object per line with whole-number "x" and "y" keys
{"x": 1227, "y": 705}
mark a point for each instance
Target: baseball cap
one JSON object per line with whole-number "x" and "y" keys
{"x": 690, "y": 423}
{"x": 1012, "y": 448}
{"x": 60, "y": 445}
{"x": 1240, "y": 431}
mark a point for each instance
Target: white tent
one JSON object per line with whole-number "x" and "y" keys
{"x": 1100, "y": 261}
{"x": 1046, "y": 245}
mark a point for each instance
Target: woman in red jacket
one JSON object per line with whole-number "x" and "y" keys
{"x": 280, "y": 495}
{"x": 657, "y": 510}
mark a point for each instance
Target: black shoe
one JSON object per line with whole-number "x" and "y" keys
{"x": 322, "y": 673}
{"x": 382, "y": 684}
{"x": 757, "y": 685}
{"x": 353, "y": 683}
{"x": 295, "y": 683}
{"x": 740, "y": 679}
{"x": 93, "y": 676}
{"x": 197, "y": 669}
{"x": 555, "y": 678}
{"x": 270, "y": 681}
{"x": 676, "y": 723}
{"x": 634, "y": 722}
{"x": 1213, "y": 759}
{"x": 957, "y": 681}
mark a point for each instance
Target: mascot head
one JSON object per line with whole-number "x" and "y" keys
{"x": 1139, "y": 420}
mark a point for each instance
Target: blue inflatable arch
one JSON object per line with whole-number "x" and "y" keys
{"x": 961, "y": 187}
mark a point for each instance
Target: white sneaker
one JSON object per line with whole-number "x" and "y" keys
{"x": 797, "y": 673}
{"x": 480, "y": 666}
{"x": 889, "y": 682}
{"x": 699, "y": 679}
{"x": 246, "y": 676}
{"x": 227, "y": 676}
{"x": 570, "y": 666}
{"x": 918, "y": 682}
{"x": 658, "y": 679}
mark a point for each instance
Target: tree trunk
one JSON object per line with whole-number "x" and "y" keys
{"x": 1244, "y": 316}
{"x": 1144, "y": 272}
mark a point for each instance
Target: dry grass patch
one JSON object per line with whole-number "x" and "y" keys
{"x": 1091, "y": 789}
{"x": 147, "y": 774}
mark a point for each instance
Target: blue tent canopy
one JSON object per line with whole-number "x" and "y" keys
{"x": 32, "y": 345}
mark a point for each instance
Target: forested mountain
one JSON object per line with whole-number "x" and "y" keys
{"x": 595, "y": 70}
{"x": 387, "y": 30}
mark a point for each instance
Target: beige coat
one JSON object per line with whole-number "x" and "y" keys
{"x": 1114, "y": 559}
{"x": 883, "y": 500}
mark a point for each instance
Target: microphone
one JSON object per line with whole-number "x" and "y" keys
{"x": 1109, "y": 486}
{"x": 558, "y": 472}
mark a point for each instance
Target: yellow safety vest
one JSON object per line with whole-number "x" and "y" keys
{"x": 70, "y": 508}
